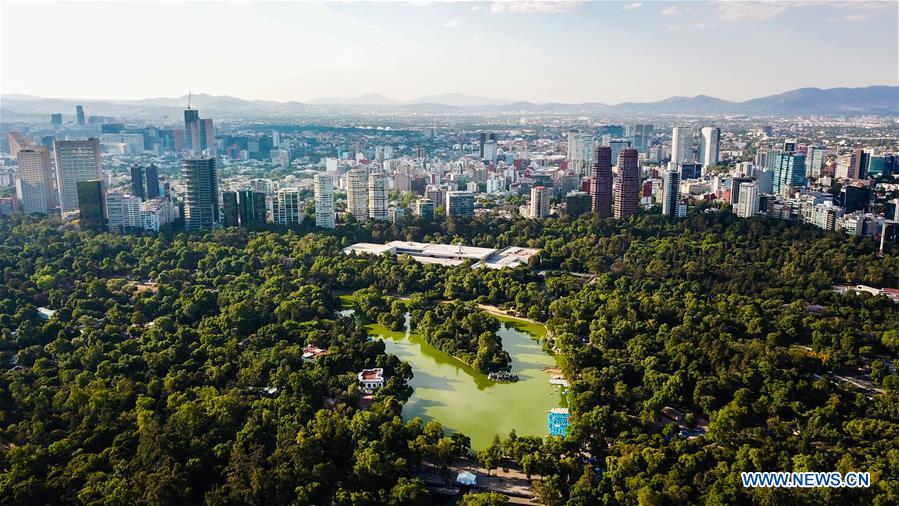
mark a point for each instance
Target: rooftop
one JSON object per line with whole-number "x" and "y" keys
{"x": 448, "y": 254}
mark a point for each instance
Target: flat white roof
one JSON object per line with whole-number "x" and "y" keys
{"x": 367, "y": 248}
{"x": 448, "y": 254}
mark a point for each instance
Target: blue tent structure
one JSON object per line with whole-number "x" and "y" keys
{"x": 557, "y": 422}
{"x": 466, "y": 478}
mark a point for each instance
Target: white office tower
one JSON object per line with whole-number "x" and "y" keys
{"x": 814, "y": 161}
{"x": 671, "y": 193}
{"x": 34, "y": 184}
{"x": 157, "y": 212}
{"x": 123, "y": 213}
{"x": 708, "y": 150}
{"x": 748, "y": 206}
{"x": 580, "y": 152}
{"x": 75, "y": 161}
{"x": 287, "y": 207}
{"x": 539, "y": 202}
{"x": 324, "y": 200}
{"x": 490, "y": 150}
{"x": 681, "y": 145}
{"x": 357, "y": 194}
{"x": 377, "y": 196}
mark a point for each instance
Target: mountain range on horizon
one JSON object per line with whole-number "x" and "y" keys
{"x": 870, "y": 100}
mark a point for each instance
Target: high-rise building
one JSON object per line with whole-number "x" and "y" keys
{"x": 460, "y": 204}
{"x": 602, "y": 181}
{"x": 580, "y": 152}
{"x": 192, "y": 130}
{"x": 323, "y": 186}
{"x": 628, "y": 188}
{"x": 670, "y": 193}
{"x": 79, "y": 115}
{"x": 138, "y": 181}
{"x": 357, "y": 194}
{"x": 735, "y": 186}
{"x": 424, "y": 208}
{"x": 484, "y": 137}
{"x": 34, "y": 184}
{"x": 681, "y": 145}
{"x": 201, "y": 196}
{"x": 577, "y": 203}
{"x": 75, "y": 161}
{"x": 814, "y": 160}
{"x": 377, "y": 196}
{"x": 287, "y": 207}
{"x": 748, "y": 206}
{"x": 539, "y": 207}
{"x": 230, "y": 216}
{"x": 708, "y": 150}
{"x": 855, "y": 198}
{"x": 122, "y": 213}
{"x": 858, "y": 164}
{"x": 490, "y": 151}
{"x": 252, "y": 209}
{"x": 690, "y": 170}
{"x": 764, "y": 179}
{"x": 616, "y": 145}
{"x": 91, "y": 196}
{"x": 207, "y": 136}
{"x": 17, "y": 142}
{"x": 151, "y": 176}
{"x": 789, "y": 172}
{"x": 56, "y": 119}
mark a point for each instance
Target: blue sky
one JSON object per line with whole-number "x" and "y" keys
{"x": 538, "y": 51}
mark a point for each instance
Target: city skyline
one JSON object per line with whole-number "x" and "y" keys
{"x": 485, "y": 49}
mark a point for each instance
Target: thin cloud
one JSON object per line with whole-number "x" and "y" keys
{"x": 532, "y": 7}
{"x": 635, "y": 5}
{"x": 739, "y": 11}
{"x": 688, "y": 26}
{"x": 671, "y": 11}
{"x": 850, "y": 18}
{"x": 451, "y": 23}
{"x": 475, "y": 8}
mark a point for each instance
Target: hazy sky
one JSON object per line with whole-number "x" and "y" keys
{"x": 538, "y": 51}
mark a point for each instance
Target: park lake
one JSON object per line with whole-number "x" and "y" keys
{"x": 465, "y": 400}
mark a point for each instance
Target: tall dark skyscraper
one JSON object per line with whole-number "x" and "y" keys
{"x": 79, "y": 115}
{"x": 92, "y": 205}
{"x": 602, "y": 181}
{"x": 152, "y": 176}
{"x": 192, "y": 130}
{"x": 56, "y": 119}
{"x": 251, "y": 209}
{"x": 138, "y": 181}
{"x": 201, "y": 198}
{"x": 628, "y": 188}
{"x": 229, "y": 209}
{"x": 671, "y": 193}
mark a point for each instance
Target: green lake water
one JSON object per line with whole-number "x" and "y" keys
{"x": 463, "y": 399}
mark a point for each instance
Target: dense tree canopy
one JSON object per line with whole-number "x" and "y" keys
{"x": 173, "y": 370}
